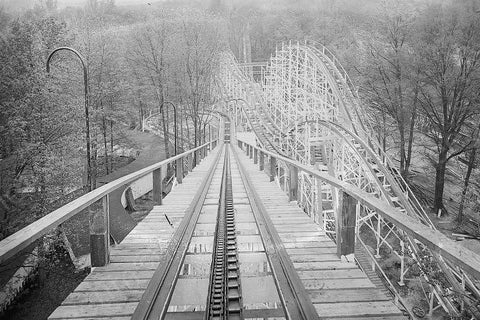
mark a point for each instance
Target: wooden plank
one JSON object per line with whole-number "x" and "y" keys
{"x": 376, "y": 317}
{"x": 102, "y": 318}
{"x": 316, "y": 284}
{"x": 94, "y": 310}
{"x": 139, "y": 246}
{"x": 120, "y": 275}
{"x": 349, "y": 309}
{"x": 103, "y": 297}
{"x": 128, "y": 267}
{"x": 301, "y": 238}
{"x": 347, "y": 295}
{"x": 112, "y": 285}
{"x": 137, "y": 252}
{"x": 308, "y": 244}
{"x": 311, "y": 251}
{"x": 331, "y": 274}
{"x": 134, "y": 258}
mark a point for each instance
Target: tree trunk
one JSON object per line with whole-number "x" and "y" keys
{"x": 140, "y": 114}
{"x": 111, "y": 145}
{"x": 181, "y": 130}
{"x": 187, "y": 127}
{"x": 408, "y": 158}
{"x": 195, "y": 131}
{"x": 402, "y": 149}
{"x": 440, "y": 181}
{"x": 94, "y": 159}
{"x": 471, "y": 164}
{"x": 105, "y": 143}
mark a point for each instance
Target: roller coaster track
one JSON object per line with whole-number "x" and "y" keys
{"x": 308, "y": 108}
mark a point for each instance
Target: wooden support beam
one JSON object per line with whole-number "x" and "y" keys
{"x": 157, "y": 189}
{"x": 293, "y": 185}
{"x": 261, "y": 164}
{"x": 346, "y": 221}
{"x": 250, "y": 152}
{"x": 179, "y": 170}
{"x": 100, "y": 235}
{"x": 190, "y": 163}
{"x": 273, "y": 165}
{"x": 255, "y": 156}
{"x": 319, "y": 208}
{"x": 281, "y": 177}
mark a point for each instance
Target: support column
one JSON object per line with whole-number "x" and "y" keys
{"x": 251, "y": 152}
{"x": 293, "y": 185}
{"x": 100, "y": 235}
{"x": 255, "y": 156}
{"x": 157, "y": 186}
{"x": 346, "y": 226}
{"x": 190, "y": 162}
{"x": 261, "y": 164}
{"x": 273, "y": 165}
{"x": 179, "y": 169}
{"x": 319, "y": 208}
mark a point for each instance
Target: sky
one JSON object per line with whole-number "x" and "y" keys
{"x": 25, "y": 4}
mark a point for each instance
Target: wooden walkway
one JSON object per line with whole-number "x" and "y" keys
{"x": 338, "y": 290}
{"x": 113, "y": 292}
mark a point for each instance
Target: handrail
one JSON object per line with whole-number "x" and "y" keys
{"x": 22, "y": 238}
{"x": 433, "y": 239}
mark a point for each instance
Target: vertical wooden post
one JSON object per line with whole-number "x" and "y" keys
{"x": 261, "y": 164}
{"x": 248, "y": 150}
{"x": 293, "y": 185}
{"x": 179, "y": 170}
{"x": 251, "y": 152}
{"x": 273, "y": 165}
{"x": 100, "y": 235}
{"x": 346, "y": 222}
{"x": 157, "y": 186}
{"x": 319, "y": 210}
{"x": 255, "y": 156}
{"x": 189, "y": 162}
{"x": 195, "y": 158}
{"x": 240, "y": 144}
{"x": 281, "y": 176}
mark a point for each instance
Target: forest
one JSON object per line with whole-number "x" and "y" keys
{"x": 416, "y": 65}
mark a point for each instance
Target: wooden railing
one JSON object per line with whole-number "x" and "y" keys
{"x": 99, "y": 220}
{"x": 349, "y": 195}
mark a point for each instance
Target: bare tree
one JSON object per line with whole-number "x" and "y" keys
{"x": 202, "y": 41}
{"x": 391, "y": 84}
{"x": 148, "y": 57}
{"x": 449, "y": 52}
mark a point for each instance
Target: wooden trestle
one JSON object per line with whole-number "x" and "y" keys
{"x": 338, "y": 290}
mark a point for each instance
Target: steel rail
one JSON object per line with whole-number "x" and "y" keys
{"x": 224, "y": 294}
{"x": 154, "y": 302}
{"x": 296, "y": 302}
